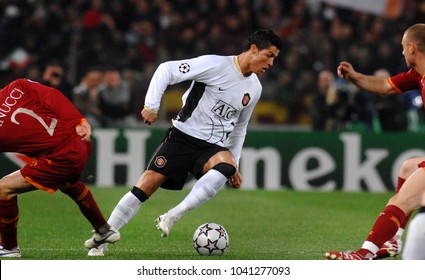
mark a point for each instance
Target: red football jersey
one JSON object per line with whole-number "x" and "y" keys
{"x": 406, "y": 81}
{"x": 35, "y": 119}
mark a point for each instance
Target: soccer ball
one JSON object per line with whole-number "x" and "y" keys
{"x": 210, "y": 239}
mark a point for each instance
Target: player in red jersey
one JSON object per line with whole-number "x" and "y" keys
{"x": 40, "y": 122}
{"x": 385, "y": 237}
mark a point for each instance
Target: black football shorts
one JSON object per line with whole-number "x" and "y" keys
{"x": 180, "y": 154}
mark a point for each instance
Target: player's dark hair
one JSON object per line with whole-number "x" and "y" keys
{"x": 263, "y": 39}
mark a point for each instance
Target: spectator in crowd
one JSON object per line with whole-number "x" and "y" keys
{"x": 86, "y": 96}
{"x": 324, "y": 97}
{"x": 54, "y": 76}
{"x": 115, "y": 100}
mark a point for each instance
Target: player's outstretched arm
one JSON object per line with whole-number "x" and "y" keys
{"x": 368, "y": 83}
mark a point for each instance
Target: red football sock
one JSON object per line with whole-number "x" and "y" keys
{"x": 82, "y": 195}
{"x": 385, "y": 226}
{"x": 9, "y": 216}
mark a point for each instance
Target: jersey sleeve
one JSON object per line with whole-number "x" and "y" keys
{"x": 177, "y": 71}
{"x": 53, "y": 100}
{"x": 236, "y": 139}
{"x": 404, "y": 81}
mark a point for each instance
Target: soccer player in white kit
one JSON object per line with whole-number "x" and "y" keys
{"x": 207, "y": 136}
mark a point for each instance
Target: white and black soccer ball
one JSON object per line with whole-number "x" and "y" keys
{"x": 210, "y": 239}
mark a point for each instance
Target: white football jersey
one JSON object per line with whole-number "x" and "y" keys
{"x": 218, "y": 104}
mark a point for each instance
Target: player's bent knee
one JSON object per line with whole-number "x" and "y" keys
{"x": 3, "y": 189}
{"x": 225, "y": 168}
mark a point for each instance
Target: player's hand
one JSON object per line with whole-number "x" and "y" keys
{"x": 84, "y": 130}
{"x": 345, "y": 70}
{"x": 235, "y": 180}
{"x": 149, "y": 116}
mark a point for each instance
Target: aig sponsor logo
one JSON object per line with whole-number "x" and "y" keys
{"x": 224, "y": 110}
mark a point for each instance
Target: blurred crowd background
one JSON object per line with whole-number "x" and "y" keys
{"x": 102, "y": 53}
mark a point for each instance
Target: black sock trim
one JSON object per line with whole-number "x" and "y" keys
{"x": 139, "y": 194}
{"x": 225, "y": 168}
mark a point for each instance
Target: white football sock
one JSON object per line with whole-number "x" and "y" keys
{"x": 204, "y": 189}
{"x": 414, "y": 246}
{"x": 125, "y": 210}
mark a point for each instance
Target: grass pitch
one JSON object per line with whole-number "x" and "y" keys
{"x": 262, "y": 225}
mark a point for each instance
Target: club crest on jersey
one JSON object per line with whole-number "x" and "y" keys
{"x": 246, "y": 98}
{"x": 224, "y": 110}
{"x": 160, "y": 161}
{"x": 184, "y": 68}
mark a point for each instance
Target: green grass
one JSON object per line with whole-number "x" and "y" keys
{"x": 262, "y": 225}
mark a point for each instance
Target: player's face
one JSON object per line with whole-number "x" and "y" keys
{"x": 408, "y": 57}
{"x": 263, "y": 60}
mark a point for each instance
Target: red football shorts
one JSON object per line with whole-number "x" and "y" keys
{"x": 64, "y": 165}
